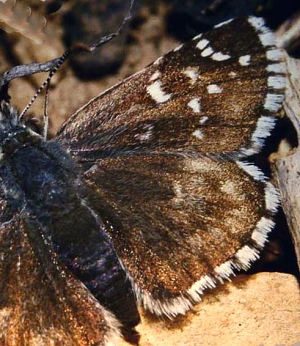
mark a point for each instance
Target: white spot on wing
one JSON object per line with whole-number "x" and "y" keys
{"x": 202, "y": 44}
{"x": 201, "y": 285}
{"x": 259, "y": 237}
{"x": 273, "y": 102}
{"x": 229, "y": 188}
{"x": 267, "y": 39}
{"x": 264, "y": 127}
{"x": 224, "y": 271}
{"x": 257, "y": 22}
{"x": 220, "y": 56}
{"x": 277, "y": 68}
{"x": 192, "y": 74}
{"x": 265, "y": 35}
{"x": 178, "y": 48}
{"x": 244, "y": 60}
{"x": 144, "y": 137}
{"x": 208, "y": 51}
{"x": 274, "y": 55}
{"x": 277, "y": 82}
{"x": 203, "y": 120}
{"x": 157, "y": 61}
{"x": 197, "y": 37}
{"x": 252, "y": 170}
{"x": 194, "y": 104}
{"x": 156, "y": 92}
{"x": 214, "y": 89}
{"x": 223, "y": 23}
{"x": 198, "y": 134}
{"x": 155, "y": 75}
{"x": 168, "y": 307}
{"x": 272, "y": 197}
{"x": 246, "y": 255}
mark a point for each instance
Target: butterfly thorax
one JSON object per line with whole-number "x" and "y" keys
{"x": 42, "y": 169}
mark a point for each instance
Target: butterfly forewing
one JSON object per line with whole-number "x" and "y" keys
{"x": 212, "y": 95}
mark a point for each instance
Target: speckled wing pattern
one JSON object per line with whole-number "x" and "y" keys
{"x": 167, "y": 166}
{"x": 41, "y": 303}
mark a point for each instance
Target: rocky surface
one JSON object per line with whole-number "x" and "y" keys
{"x": 257, "y": 310}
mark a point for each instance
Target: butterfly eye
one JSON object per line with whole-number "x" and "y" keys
{"x": 15, "y": 140}
{"x": 10, "y": 145}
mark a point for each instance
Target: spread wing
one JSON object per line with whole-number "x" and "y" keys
{"x": 40, "y": 300}
{"x": 181, "y": 224}
{"x": 164, "y": 157}
{"x": 215, "y": 94}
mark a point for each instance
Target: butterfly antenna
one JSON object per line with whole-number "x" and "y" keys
{"x": 46, "y": 83}
{"x": 107, "y": 38}
{"x": 75, "y": 50}
{"x": 45, "y": 117}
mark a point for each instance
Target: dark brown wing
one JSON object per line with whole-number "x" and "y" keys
{"x": 40, "y": 300}
{"x": 181, "y": 224}
{"x": 215, "y": 94}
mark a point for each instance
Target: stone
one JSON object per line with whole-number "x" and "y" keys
{"x": 255, "y": 310}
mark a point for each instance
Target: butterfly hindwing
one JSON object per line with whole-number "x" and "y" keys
{"x": 180, "y": 224}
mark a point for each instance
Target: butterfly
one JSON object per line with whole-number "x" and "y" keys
{"x": 147, "y": 196}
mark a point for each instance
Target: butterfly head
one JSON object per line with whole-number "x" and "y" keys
{"x": 13, "y": 132}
